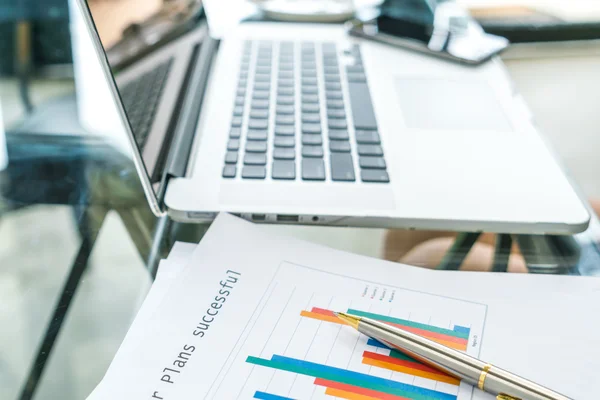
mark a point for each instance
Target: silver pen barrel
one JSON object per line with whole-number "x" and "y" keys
{"x": 460, "y": 365}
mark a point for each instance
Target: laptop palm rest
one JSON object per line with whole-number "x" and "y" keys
{"x": 307, "y": 194}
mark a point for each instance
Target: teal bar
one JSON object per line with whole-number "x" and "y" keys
{"x": 464, "y": 334}
{"x": 350, "y": 378}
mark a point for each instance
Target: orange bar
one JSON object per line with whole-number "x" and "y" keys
{"x": 412, "y": 371}
{"x": 405, "y": 363}
{"x": 347, "y": 395}
{"x": 368, "y": 393}
{"x": 321, "y": 317}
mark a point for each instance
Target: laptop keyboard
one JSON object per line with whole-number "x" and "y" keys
{"x": 290, "y": 119}
{"x": 141, "y": 97}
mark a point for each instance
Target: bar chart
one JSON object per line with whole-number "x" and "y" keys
{"x": 295, "y": 348}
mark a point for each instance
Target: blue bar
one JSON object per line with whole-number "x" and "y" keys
{"x": 373, "y": 342}
{"x": 462, "y": 329}
{"x": 357, "y": 376}
{"x": 269, "y": 396}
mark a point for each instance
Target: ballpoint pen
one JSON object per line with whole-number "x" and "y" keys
{"x": 494, "y": 380}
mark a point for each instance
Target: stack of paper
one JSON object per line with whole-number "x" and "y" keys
{"x": 247, "y": 315}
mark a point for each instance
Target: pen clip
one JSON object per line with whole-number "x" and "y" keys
{"x": 502, "y": 396}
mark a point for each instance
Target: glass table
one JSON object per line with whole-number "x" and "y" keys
{"x": 79, "y": 246}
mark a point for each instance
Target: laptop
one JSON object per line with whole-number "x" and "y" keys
{"x": 302, "y": 124}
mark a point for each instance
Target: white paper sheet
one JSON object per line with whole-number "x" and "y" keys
{"x": 195, "y": 344}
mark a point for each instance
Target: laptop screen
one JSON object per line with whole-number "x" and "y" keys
{"x": 146, "y": 46}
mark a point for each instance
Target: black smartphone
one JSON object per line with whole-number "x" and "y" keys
{"x": 437, "y": 27}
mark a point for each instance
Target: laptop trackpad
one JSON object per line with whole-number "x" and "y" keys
{"x": 446, "y": 104}
{"x": 307, "y": 195}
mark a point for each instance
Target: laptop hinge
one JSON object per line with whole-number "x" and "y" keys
{"x": 188, "y": 118}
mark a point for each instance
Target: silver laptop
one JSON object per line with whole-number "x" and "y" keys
{"x": 299, "y": 123}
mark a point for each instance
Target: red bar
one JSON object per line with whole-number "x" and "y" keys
{"x": 404, "y": 363}
{"x": 357, "y": 390}
{"x": 323, "y": 311}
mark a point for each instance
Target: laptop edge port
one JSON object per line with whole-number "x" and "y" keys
{"x": 287, "y": 218}
{"x": 259, "y": 217}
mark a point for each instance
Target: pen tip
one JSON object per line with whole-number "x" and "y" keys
{"x": 348, "y": 319}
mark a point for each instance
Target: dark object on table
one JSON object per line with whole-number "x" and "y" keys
{"x": 524, "y": 24}
{"x": 438, "y": 28}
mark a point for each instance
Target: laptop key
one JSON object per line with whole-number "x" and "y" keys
{"x": 254, "y": 172}
{"x": 284, "y": 119}
{"x": 367, "y": 137}
{"x": 372, "y": 162}
{"x": 332, "y": 78}
{"x": 283, "y": 153}
{"x": 374, "y": 175}
{"x": 255, "y": 159}
{"x": 229, "y": 171}
{"x": 337, "y": 95}
{"x": 311, "y": 128}
{"x": 235, "y": 133}
{"x": 362, "y": 106}
{"x": 261, "y": 94}
{"x": 283, "y": 169}
{"x": 262, "y": 78}
{"x": 335, "y": 104}
{"x": 285, "y": 130}
{"x": 259, "y": 114}
{"x": 257, "y": 134}
{"x": 238, "y": 111}
{"x": 370, "y": 150}
{"x": 338, "y": 134}
{"x": 355, "y": 68}
{"x": 310, "y": 99}
{"x": 260, "y": 104}
{"x": 286, "y": 74}
{"x": 314, "y": 118}
{"x": 256, "y": 146}
{"x": 310, "y": 90}
{"x": 336, "y": 113}
{"x": 356, "y": 78}
{"x": 310, "y": 108}
{"x": 263, "y": 70}
{"x": 342, "y": 168}
{"x": 285, "y": 109}
{"x": 233, "y": 144}
{"x": 310, "y": 139}
{"x": 313, "y": 169}
{"x": 231, "y": 157}
{"x": 337, "y": 124}
{"x": 309, "y": 81}
{"x": 333, "y": 86}
{"x": 262, "y": 86}
{"x": 285, "y": 100}
{"x": 239, "y": 101}
{"x": 312, "y": 151}
{"x": 259, "y": 123}
{"x": 285, "y": 91}
{"x": 339, "y": 146}
{"x": 284, "y": 141}
{"x": 285, "y": 83}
